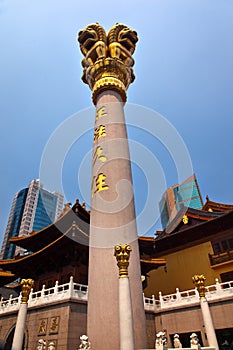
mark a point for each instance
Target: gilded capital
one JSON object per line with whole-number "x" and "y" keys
{"x": 26, "y": 285}
{"x": 122, "y": 254}
{"x": 199, "y": 282}
{"x": 107, "y": 62}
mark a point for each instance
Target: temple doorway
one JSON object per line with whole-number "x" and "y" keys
{"x": 9, "y": 341}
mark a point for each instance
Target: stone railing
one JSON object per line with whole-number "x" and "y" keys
{"x": 79, "y": 292}
{"x": 45, "y": 296}
{"x": 185, "y": 298}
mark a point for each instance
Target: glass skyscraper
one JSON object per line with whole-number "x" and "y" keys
{"x": 179, "y": 196}
{"x": 33, "y": 208}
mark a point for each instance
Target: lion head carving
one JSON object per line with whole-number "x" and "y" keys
{"x": 93, "y": 42}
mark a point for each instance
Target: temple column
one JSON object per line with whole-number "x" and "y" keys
{"x": 199, "y": 281}
{"x": 122, "y": 253}
{"x": 108, "y": 72}
{"x": 22, "y": 314}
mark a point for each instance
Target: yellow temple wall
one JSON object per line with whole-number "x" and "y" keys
{"x": 180, "y": 268}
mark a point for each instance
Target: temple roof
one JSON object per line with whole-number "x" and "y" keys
{"x": 35, "y": 241}
{"x": 193, "y": 217}
{"x": 187, "y": 237}
{"x": 67, "y": 240}
{"x": 191, "y": 235}
{"x": 65, "y": 248}
{"x": 61, "y": 243}
{"x": 216, "y": 206}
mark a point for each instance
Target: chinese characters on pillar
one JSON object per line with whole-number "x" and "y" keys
{"x": 100, "y": 113}
{"x": 99, "y": 181}
{"x": 99, "y": 132}
{"x": 99, "y": 155}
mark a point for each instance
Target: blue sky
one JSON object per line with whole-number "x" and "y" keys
{"x": 184, "y": 71}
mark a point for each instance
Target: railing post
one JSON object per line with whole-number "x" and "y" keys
{"x": 56, "y": 288}
{"x": 161, "y": 300}
{"x": 154, "y": 302}
{"x": 43, "y": 291}
{"x": 9, "y": 300}
{"x": 178, "y": 295}
{"x": 218, "y": 287}
{"x": 71, "y": 286}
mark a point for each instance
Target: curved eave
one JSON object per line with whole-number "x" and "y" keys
{"x": 6, "y": 274}
{"x": 6, "y": 277}
{"x": 216, "y": 206}
{"x": 198, "y": 234}
{"x": 186, "y": 237}
{"x": 198, "y": 215}
{"x": 145, "y": 239}
{"x": 53, "y": 251}
{"x": 146, "y": 245}
{"x": 37, "y": 240}
{"x": 151, "y": 264}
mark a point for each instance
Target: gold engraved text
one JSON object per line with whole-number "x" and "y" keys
{"x": 98, "y": 155}
{"x": 100, "y": 113}
{"x": 99, "y": 132}
{"x": 100, "y": 183}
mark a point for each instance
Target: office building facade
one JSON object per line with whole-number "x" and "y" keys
{"x": 179, "y": 196}
{"x": 33, "y": 208}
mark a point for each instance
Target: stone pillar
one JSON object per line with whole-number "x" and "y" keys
{"x": 22, "y": 314}
{"x": 122, "y": 253}
{"x": 108, "y": 71}
{"x": 199, "y": 281}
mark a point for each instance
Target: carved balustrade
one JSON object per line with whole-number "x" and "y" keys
{"x": 79, "y": 292}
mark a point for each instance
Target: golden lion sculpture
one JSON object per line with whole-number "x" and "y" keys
{"x": 118, "y": 44}
{"x": 107, "y": 57}
{"x": 121, "y": 43}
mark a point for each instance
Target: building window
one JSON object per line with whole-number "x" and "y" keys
{"x": 231, "y": 243}
{"x": 216, "y": 247}
{"x": 227, "y": 276}
{"x": 224, "y": 245}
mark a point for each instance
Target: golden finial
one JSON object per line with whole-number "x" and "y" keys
{"x": 199, "y": 282}
{"x": 107, "y": 62}
{"x": 26, "y": 285}
{"x": 185, "y": 219}
{"x": 122, "y": 254}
